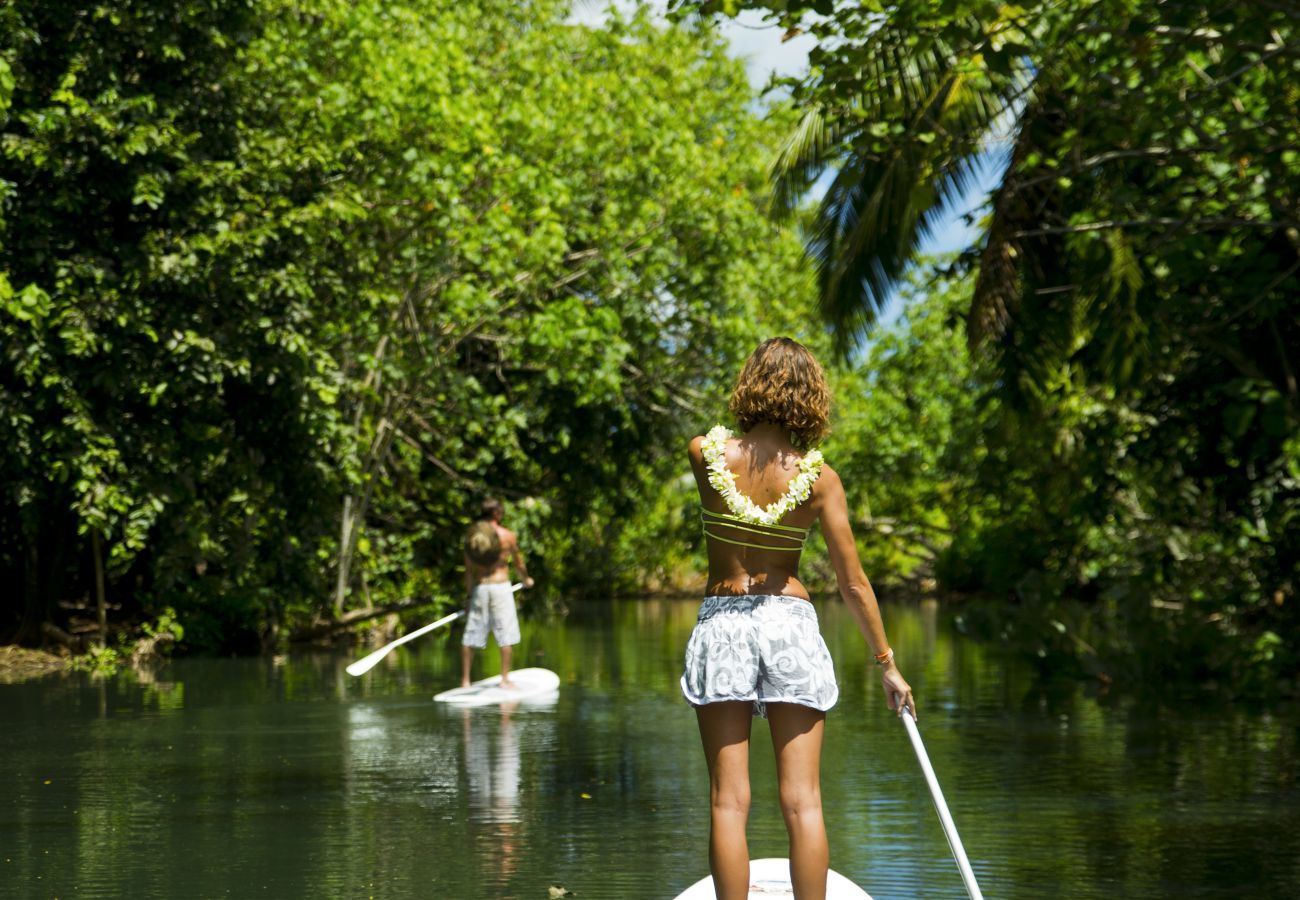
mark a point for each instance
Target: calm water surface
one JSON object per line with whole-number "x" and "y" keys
{"x": 254, "y": 778}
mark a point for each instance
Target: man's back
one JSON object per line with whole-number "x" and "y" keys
{"x": 499, "y": 570}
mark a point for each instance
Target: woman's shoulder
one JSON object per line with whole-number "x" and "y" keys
{"x": 696, "y": 450}
{"x": 828, "y": 481}
{"x": 716, "y": 437}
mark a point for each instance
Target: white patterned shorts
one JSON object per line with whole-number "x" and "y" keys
{"x": 491, "y": 607}
{"x": 764, "y": 648}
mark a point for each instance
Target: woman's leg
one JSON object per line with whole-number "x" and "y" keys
{"x": 797, "y": 740}
{"x": 724, "y": 729}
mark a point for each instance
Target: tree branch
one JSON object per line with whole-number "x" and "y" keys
{"x": 1159, "y": 220}
{"x": 323, "y": 628}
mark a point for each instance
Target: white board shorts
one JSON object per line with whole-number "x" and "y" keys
{"x": 764, "y": 648}
{"x": 491, "y": 608}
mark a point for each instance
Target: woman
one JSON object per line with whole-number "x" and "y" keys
{"x": 756, "y": 649}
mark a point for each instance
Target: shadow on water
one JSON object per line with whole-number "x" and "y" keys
{"x": 283, "y": 779}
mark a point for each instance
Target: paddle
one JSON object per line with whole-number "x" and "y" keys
{"x": 366, "y": 663}
{"x": 945, "y": 817}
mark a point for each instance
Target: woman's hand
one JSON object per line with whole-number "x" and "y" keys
{"x": 898, "y": 693}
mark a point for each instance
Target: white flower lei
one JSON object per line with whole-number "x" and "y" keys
{"x": 724, "y": 482}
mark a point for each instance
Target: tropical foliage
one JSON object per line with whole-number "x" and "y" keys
{"x": 1133, "y": 305}
{"x": 286, "y": 286}
{"x": 909, "y": 431}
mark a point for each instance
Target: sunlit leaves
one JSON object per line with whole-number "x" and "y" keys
{"x": 1135, "y": 295}
{"x": 276, "y": 255}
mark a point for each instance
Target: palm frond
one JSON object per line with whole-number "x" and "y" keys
{"x": 802, "y": 158}
{"x": 881, "y": 206}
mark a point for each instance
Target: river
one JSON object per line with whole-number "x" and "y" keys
{"x": 287, "y": 778}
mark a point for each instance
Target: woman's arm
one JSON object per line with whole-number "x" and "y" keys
{"x": 833, "y": 510}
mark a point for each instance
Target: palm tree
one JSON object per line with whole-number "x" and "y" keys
{"x": 908, "y": 131}
{"x": 912, "y": 104}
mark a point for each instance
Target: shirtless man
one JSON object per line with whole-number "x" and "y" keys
{"x": 491, "y": 601}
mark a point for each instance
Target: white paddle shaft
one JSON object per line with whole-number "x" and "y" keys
{"x": 366, "y": 663}
{"x": 945, "y": 817}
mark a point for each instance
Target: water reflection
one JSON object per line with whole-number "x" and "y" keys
{"x": 387, "y": 744}
{"x": 491, "y": 741}
{"x": 492, "y": 768}
{"x": 245, "y": 777}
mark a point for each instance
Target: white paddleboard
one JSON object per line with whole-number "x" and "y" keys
{"x": 525, "y": 684}
{"x": 769, "y": 879}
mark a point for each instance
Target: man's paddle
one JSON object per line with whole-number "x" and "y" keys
{"x": 366, "y": 663}
{"x": 945, "y": 817}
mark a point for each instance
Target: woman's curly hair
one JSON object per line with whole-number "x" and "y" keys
{"x": 783, "y": 383}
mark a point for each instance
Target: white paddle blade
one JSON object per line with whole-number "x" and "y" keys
{"x": 366, "y": 663}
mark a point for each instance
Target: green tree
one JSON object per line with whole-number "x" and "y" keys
{"x": 381, "y": 260}
{"x": 909, "y": 431}
{"x": 135, "y": 392}
{"x": 1134, "y": 289}
{"x": 555, "y": 261}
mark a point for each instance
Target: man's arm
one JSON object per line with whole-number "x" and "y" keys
{"x": 469, "y": 579}
{"x": 517, "y": 560}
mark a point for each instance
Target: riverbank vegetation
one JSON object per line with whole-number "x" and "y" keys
{"x": 285, "y": 287}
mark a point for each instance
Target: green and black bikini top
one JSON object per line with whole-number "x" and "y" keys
{"x": 744, "y": 514}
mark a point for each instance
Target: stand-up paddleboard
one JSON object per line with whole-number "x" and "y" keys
{"x": 527, "y": 684}
{"x": 769, "y": 879}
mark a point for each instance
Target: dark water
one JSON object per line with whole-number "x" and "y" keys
{"x": 288, "y": 778}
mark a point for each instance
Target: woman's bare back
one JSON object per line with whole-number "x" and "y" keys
{"x": 764, "y": 463}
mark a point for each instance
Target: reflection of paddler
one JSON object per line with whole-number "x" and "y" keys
{"x": 492, "y": 768}
{"x": 490, "y": 550}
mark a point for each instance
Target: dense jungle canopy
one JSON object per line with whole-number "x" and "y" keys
{"x": 286, "y": 286}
